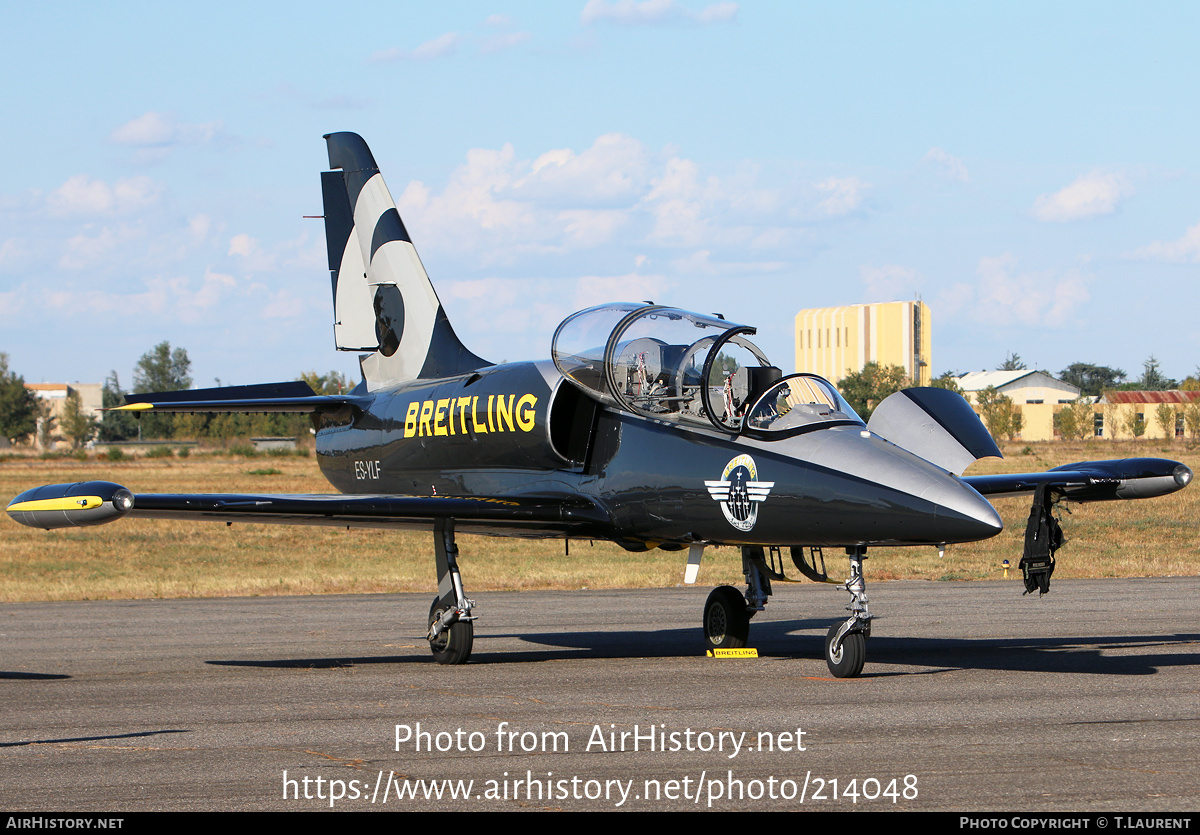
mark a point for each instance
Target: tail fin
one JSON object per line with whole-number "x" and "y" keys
{"x": 383, "y": 300}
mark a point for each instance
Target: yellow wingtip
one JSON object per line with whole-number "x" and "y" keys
{"x": 62, "y": 503}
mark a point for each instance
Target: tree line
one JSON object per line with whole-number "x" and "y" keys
{"x": 160, "y": 369}
{"x": 164, "y": 368}
{"x": 867, "y": 388}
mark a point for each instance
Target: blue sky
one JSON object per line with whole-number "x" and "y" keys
{"x": 1031, "y": 170}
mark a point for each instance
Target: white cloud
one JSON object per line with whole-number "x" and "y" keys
{"x": 889, "y": 282}
{"x": 198, "y": 227}
{"x": 497, "y": 43}
{"x": 845, "y": 195}
{"x": 601, "y": 289}
{"x": 82, "y": 195}
{"x": 88, "y": 251}
{"x": 1180, "y": 251}
{"x": 678, "y": 200}
{"x": 513, "y": 312}
{"x": 284, "y": 304}
{"x": 242, "y": 245}
{"x": 191, "y": 307}
{"x": 13, "y": 302}
{"x": 10, "y": 251}
{"x": 438, "y": 47}
{"x": 501, "y": 207}
{"x": 163, "y": 130}
{"x": 614, "y": 170}
{"x": 298, "y": 255}
{"x": 586, "y": 228}
{"x": 1005, "y": 296}
{"x": 950, "y": 167}
{"x": 498, "y": 209}
{"x": 1095, "y": 193}
{"x": 718, "y": 13}
{"x": 641, "y": 12}
{"x": 701, "y": 263}
{"x": 148, "y": 129}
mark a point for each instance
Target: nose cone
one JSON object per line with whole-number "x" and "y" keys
{"x": 881, "y": 494}
{"x": 962, "y": 514}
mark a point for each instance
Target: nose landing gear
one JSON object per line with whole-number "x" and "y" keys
{"x": 846, "y": 642}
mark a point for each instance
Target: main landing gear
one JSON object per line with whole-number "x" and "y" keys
{"x": 1043, "y": 537}
{"x": 728, "y": 612}
{"x": 451, "y": 631}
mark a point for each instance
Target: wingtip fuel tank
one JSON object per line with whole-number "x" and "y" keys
{"x": 80, "y": 504}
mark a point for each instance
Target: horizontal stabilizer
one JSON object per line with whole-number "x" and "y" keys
{"x": 295, "y": 397}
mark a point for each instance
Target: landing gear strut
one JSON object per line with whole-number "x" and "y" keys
{"x": 846, "y": 642}
{"x": 451, "y": 632}
{"x": 1043, "y": 536}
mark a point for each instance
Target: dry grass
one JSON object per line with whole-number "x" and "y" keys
{"x": 1147, "y": 538}
{"x": 139, "y": 558}
{"x": 142, "y": 558}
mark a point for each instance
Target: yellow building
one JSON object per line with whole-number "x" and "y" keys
{"x": 1123, "y": 414}
{"x": 54, "y": 399}
{"x": 836, "y": 341}
{"x": 1037, "y": 396}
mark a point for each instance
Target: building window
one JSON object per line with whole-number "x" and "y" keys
{"x": 1098, "y": 425}
{"x": 1035, "y": 401}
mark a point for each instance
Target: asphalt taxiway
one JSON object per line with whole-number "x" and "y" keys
{"x": 973, "y": 698}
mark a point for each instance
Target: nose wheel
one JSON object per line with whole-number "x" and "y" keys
{"x": 845, "y": 656}
{"x": 846, "y": 642}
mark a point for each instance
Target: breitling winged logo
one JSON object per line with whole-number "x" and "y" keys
{"x": 739, "y": 491}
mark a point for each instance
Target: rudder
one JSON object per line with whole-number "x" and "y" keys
{"x": 382, "y": 298}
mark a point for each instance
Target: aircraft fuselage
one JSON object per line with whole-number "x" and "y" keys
{"x": 521, "y": 430}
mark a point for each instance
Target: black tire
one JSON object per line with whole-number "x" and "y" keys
{"x": 851, "y": 655}
{"x": 453, "y": 646}
{"x": 726, "y": 623}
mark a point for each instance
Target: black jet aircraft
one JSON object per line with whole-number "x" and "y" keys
{"x": 649, "y": 426}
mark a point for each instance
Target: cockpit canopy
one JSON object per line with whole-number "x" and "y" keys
{"x": 673, "y": 365}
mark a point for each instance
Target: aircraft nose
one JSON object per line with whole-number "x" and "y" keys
{"x": 963, "y": 514}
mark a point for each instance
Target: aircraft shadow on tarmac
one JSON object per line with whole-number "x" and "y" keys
{"x": 1107, "y": 655}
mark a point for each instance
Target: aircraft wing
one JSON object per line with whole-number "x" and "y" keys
{"x": 1092, "y": 481}
{"x": 98, "y": 502}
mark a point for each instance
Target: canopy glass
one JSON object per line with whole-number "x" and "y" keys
{"x": 673, "y": 365}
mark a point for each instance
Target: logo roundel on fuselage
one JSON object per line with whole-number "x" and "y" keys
{"x": 740, "y": 492}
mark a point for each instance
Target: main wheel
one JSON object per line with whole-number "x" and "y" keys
{"x": 453, "y": 646}
{"x": 848, "y": 661}
{"x": 726, "y": 623}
